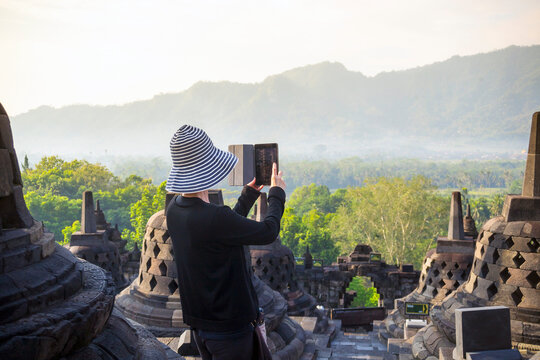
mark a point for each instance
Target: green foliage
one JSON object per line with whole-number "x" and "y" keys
{"x": 58, "y": 177}
{"x": 366, "y": 295}
{"x": 306, "y": 221}
{"x": 54, "y": 187}
{"x": 25, "y": 166}
{"x": 309, "y": 230}
{"x": 398, "y": 218}
{"x": 152, "y": 200}
{"x": 68, "y": 230}
{"x": 318, "y": 197}
{"x": 444, "y": 174}
{"x": 56, "y": 211}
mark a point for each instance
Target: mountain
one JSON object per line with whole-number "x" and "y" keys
{"x": 464, "y": 106}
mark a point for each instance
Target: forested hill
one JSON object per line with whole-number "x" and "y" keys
{"x": 462, "y": 106}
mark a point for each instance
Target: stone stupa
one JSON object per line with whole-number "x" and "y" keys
{"x": 505, "y": 269}
{"x": 275, "y": 265}
{"x": 92, "y": 243}
{"x": 52, "y": 304}
{"x": 444, "y": 269}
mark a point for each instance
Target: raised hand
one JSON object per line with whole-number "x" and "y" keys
{"x": 277, "y": 178}
{"x": 251, "y": 184}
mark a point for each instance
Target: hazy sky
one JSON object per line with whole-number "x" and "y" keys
{"x": 58, "y": 52}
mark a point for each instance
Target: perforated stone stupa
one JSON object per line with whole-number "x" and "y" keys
{"x": 153, "y": 299}
{"x": 444, "y": 269}
{"x": 275, "y": 265}
{"x": 52, "y": 304}
{"x": 505, "y": 269}
{"x": 93, "y": 244}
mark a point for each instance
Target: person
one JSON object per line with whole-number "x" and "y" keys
{"x": 218, "y": 300}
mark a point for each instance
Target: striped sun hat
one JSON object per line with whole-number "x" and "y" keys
{"x": 197, "y": 164}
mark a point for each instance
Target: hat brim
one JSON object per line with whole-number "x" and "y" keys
{"x": 201, "y": 175}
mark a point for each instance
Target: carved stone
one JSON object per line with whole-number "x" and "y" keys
{"x": 53, "y": 305}
{"x": 13, "y": 210}
{"x": 444, "y": 270}
{"x": 531, "y": 180}
{"x": 469, "y": 226}
{"x": 505, "y": 271}
{"x": 94, "y": 245}
{"x": 455, "y": 225}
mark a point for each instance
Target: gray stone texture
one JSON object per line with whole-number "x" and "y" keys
{"x": 455, "y": 225}
{"x": 390, "y": 281}
{"x": 509, "y": 354}
{"x": 482, "y": 329}
{"x": 275, "y": 265}
{"x": 94, "y": 245}
{"x": 88, "y": 217}
{"x": 505, "y": 271}
{"x": 53, "y": 305}
{"x": 531, "y": 180}
{"x": 153, "y": 298}
{"x": 215, "y": 196}
{"x": 444, "y": 270}
{"x": 469, "y": 226}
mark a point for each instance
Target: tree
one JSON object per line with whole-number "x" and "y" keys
{"x": 26, "y": 164}
{"x": 311, "y": 230}
{"x": 56, "y": 211}
{"x": 68, "y": 231}
{"x": 152, "y": 200}
{"x": 398, "y": 218}
{"x": 306, "y": 198}
{"x": 366, "y": 295}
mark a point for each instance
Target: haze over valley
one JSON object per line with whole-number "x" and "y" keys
{"x": 465, "y": 107}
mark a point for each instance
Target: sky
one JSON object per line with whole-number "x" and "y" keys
{"x": 61, "y": 52}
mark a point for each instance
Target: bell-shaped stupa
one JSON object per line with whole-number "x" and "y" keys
{"x": 52, "y": 304}
{"x": 444, "y": 269}
{"x": 92, "y": 243}
{"x": 153, "y": 299}
{"x": 275, "y": 265}
{"x": 505, "y": 270}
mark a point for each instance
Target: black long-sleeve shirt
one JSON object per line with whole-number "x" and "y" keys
{"x": 214, "y": 283}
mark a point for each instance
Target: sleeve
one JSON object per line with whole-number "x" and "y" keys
{"x": 246, "y": 200}
{"x": 234, "y": 229}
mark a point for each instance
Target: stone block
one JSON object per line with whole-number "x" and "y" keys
{"x": 445, "y": 246}
{"x": 6, "y": 176}
{"x": 412, "y": 326}
{"x": 307, "y": 323}
{"x": 482, "y": 329}
{"x": 186, "y": 344}
{"x": 394, "y": 345}
{"x": 17, "y": 179}
{"x": 79, "y": 238}
{"x": 531, "y": 179}
{"x": 215, "y": 197}
{"x": 521, "y": 208}
{"x": 88, "y": 216}
{"x": 6, "y": 137}
{"x": 244, "y": 171}
{"x": 508, "y": 354}
{"x": 455, "y": 225}
{"x": 407, "y": 268}
{"x": 13, "y": 210}
{"x": 445, "y": 353}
